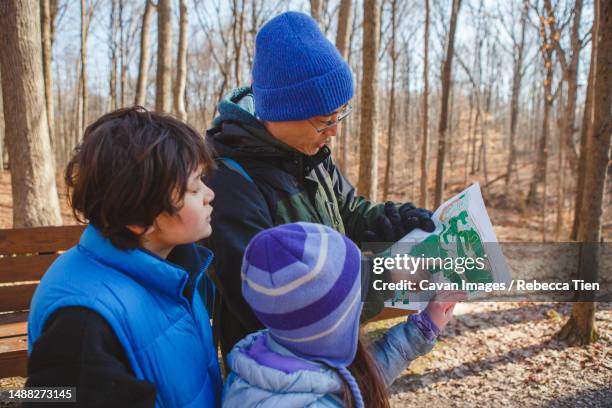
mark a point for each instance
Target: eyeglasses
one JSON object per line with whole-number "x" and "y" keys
{"x": 341, "y": 115}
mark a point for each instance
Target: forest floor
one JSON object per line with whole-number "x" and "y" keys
{"x": 491, "y": 354}
{"x": 506, "y": 354}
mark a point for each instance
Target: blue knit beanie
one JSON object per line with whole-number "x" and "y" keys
{"x": 303, "y": 282}
{"x": 297, "y": 72}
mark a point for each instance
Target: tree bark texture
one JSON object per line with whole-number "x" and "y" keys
{"x": 391, "y": 142}
{"x": 339, "y": 146}
{"x": 163, "y": 94}
{"x": 35, "y": 200}
{"x": 539, "y": 174}
{"x": 425, "y": 111}
{"x": 316, "y": 10}
{"x": 517, "y": 77}
{"x": 47, "y": 42}
{"x": 143, "y": 64}
{"x": 446, "y": 85}
{"x": 368, "y": 153}
{"x": 584, "y": 136}
{"x": 570, "y": 75}
{"x": 237, "y": 7}
{"x": 84, "y": 95}
{"x": 344, "y": 22}
{"x": 580, "y": 328}
{"x": 113, "y": 56}
{"x": 181, "y": 64}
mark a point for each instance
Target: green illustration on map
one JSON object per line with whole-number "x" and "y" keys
{"x": 455, "y": 237}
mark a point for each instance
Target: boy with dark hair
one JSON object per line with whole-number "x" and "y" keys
{"x": 118, "y": 316}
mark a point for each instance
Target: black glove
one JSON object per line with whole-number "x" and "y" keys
{"x": 398, "y": 222}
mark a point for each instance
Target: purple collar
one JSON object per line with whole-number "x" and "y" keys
{"x": 263, "y": 355}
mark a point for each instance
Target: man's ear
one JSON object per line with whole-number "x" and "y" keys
{"x": 141, "y": 230}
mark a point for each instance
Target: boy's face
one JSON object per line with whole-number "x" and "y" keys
{"x": 190, "y": 224}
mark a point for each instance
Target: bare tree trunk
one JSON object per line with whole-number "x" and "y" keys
{"x": 163, "y": 95}
{"x": 580, "y": 328}
{"x": 368, "y": 153}
{"x": 342, "y": 44}
{"x": 84, "y": 95}
{"x": 536, "y": 102}
{"x": 483, "y": 150}
{"x": 60, "y": 134}
{"x": 425, "y": 111}
{"x": 475, "y": 130}
{"x": 409, "y": 137}
{"x": 584, "y": 136}
{"x": 181, "y": 65}
{"x": 35, "y": 200}
{"x": 570, "y": 74}
{"x": 143, "y": 65}
{"x": 316, "y": 10}
{"x": 451, "y": 127}
{"x": 446, "y": 84}
{"x": 344, "y": 22}
{"x": 78, "y": 109}
{"x": 237, "y": 37}
{"x": 560, "y": 190}
{"x": 517, "y": 77}
{"x": 391, "y": 142}
{"x": 113, "y": 56}
{"x": 46, "y": 23}
{"x": 467, "y": 145}
{"x": 122, "y": 57}
{"x": 540, "y": 172}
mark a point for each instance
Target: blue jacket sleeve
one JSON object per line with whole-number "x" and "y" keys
{"x": 397, "y": 348}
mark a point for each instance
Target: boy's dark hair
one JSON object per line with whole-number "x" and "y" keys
{"x": 129, "y": 168}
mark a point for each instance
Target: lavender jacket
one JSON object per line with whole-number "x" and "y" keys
{"x": 265, "y": 374}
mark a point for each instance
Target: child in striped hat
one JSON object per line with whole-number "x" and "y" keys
{"x": 303, "y": 282}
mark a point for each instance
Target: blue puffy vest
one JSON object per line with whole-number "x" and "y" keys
{"x": 167, "y": 339}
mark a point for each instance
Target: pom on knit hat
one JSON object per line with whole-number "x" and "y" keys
{"x": 297, "y": 72}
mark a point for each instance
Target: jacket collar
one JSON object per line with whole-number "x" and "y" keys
{"x": 237, "y": 133}
{"x": 322, "y": 380}
{"x": 146, "y": 268}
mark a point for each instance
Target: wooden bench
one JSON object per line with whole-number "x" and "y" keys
{"x": 25, "y": 255}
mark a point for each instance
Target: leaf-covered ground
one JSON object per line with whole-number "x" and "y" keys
{"x": 506, "y": 354}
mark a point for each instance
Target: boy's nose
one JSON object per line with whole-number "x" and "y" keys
{"x": 209, "y": 195}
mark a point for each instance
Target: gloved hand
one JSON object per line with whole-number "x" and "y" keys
{"x": 397, "y": 222}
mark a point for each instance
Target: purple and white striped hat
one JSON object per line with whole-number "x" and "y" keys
{"x": 303, "y": 282}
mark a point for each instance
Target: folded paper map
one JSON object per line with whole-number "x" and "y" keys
{"x": 463, "y": 231}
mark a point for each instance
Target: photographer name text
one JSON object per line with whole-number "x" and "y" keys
{"x": 515, "y": 284}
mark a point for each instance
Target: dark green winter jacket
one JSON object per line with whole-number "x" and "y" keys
{"x": 273, "y": 184}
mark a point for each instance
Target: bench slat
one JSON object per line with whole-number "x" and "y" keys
{"x": 13, "y": 329}
{"x": 39, "y": 239}
{"x": 16, "y": 297}
{"x": 25, "y": 268}
{"x": 14, "y": 357}
{"x": 13, "y": 317}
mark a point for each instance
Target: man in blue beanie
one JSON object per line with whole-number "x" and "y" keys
{"x": 275, "y": 167}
